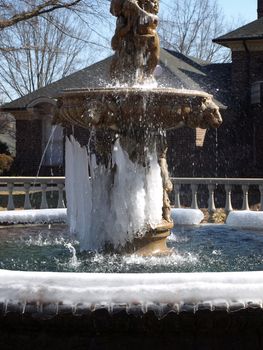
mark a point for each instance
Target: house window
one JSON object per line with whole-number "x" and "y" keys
{"x": 257, "y": 93}
{"x": 52, "y": 145}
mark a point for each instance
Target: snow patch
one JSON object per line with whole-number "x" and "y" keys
{"x": 187, "y": 216}
{"x": 246, "y": 219}
{"x": 33, "y": 216}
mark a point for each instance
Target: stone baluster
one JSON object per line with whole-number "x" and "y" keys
{"x": 177, "y": 203}
{"x": 245, "y": 205}
{"x": 27, "y": 204}
{"x": 44, "y": 204}
{"x": 261, "y": 197}
{"x": 61, "y": 203}
{"x": 10, "y": 203}
{"x": 194, "y": 189}
{"x": 228, "y": 206}
{"x": 211, "y": 199}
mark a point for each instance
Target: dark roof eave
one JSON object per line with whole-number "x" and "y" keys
{"x": 219, "y": 40}
{"x": 10, "y": 109}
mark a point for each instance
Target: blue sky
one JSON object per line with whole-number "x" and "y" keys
{"x": 237, "y": 10}
{"x": 243, "y": 9}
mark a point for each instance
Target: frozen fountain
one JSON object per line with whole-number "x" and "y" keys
{"x": 123, "y": 172}
{"x": 117, "y": 198}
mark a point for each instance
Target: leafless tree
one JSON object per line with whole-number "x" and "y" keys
{"x": 7, "y": 131}
{"x": 35, "y": 52}
{"x": 188, "y": 26}
{"x": 7, "y": 125}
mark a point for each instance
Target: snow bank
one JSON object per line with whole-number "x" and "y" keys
{"x": 187, "y": 216}
{"x": 246, "y": 219}
{"x": 34, "y": 216}
{"x": 73, "y": 288}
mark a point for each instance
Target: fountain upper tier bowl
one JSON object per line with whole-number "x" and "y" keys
{"x": 138, "y": 108}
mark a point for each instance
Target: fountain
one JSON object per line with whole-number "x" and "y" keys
{"x": 129, "y": 120}
{"x": 117, "y": 198}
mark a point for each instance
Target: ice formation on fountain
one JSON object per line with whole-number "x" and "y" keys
{"x": 101, "y": 209}
{"x": 124, "y": 196}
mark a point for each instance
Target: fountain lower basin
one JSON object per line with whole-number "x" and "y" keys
{"x": 72, "y": 306}
{"x": 43, "y": 248}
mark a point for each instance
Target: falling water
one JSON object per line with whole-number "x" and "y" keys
{"x": 46, "y": 148}
{"x": 54, "y": 127}
{"x": 216, "y": 153}
{"x": 111, "y": 204}
{"x": 73, "y": 261}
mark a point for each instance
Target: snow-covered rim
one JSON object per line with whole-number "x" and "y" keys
{"x": 213, "y": 289}
{"x": 34, "y": 216}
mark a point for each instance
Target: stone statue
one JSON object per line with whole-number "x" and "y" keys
{"x": 135, "y": 42}
{"x": 167, "y": 183}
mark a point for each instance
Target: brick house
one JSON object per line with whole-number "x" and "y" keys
{"x": 235, "y": 149}
{"x": 246, "y": 44}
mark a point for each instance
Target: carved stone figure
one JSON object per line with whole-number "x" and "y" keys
{"x": 167, "y": 183}
{"x": 135, "y": 42}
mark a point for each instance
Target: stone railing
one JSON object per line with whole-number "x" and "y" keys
{"x": 211, "y": 193}
{"x": 27, "y": 187}
{"x": 227, "y": 193}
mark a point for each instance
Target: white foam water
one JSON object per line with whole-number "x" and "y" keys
{"x": 174, "y": 259}
{"x": 111, "y": 204}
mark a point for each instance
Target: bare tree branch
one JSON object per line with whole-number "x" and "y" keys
{"x": 189, "y": 27}
{"x": 49, "y": 54}
{"x": 37, "y": 10}
{"x": 37, "y": 51}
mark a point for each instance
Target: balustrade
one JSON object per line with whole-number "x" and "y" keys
{"x": 211, "y": 192}
{"x": 227, "y": 188}
{"x": 30, "y": 187}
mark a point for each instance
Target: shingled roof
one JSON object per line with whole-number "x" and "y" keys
{"x": 92, "y": 76}
{"x": 250, "y": 31}
{"x": 178, "y": 71}
{"x": 195, "y": 74}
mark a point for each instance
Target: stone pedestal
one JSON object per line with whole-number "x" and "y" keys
{"x": 154, "y": 241}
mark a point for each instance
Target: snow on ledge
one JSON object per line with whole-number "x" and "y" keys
{"x": 182, "y": 216}
{"x": 41, "y": 216}
{"x": 107, "y": 289}
{"x": 246, "y": 219}
{"x": 33, "y": 216}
